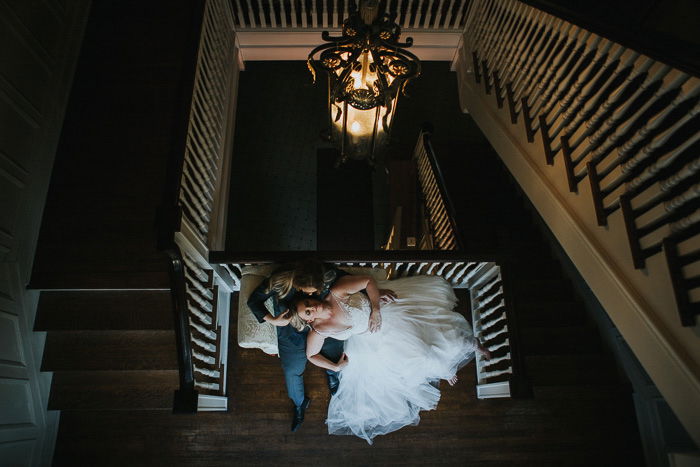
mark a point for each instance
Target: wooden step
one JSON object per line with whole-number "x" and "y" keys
{"x": 52, "y": 279}
{"x": 558, "y": 340}
{"x": 550, "y": 314}
{"x": 113, "y": 390}
{"x": 622, "y": 393}
{"x": 538, "y": 266}
{"x": 532, "y": 289}
{"x": 566, "y": 370}
{"x": 104, "y": 310}
{"x": 110, "y": 350}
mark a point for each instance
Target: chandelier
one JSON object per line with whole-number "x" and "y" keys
{"x": 367, "y": 69}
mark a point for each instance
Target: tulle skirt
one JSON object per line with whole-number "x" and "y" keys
{"x": 392, "y": 374}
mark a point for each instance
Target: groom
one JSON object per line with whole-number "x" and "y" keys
{"x": 292, "y": 343}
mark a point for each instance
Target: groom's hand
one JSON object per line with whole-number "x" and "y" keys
{"x": 282, "y": 319}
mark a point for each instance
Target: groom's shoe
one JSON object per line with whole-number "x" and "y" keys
{"x": 299, "y": 414}
{"x": 333, "y": 384}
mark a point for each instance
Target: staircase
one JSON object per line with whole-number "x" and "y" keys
{"x": 109, "y": 350}
{"x": 566, "y": 367}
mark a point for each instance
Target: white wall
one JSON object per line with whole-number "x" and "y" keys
{"x": 39, "y": 45}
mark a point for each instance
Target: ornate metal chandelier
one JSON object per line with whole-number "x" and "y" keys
{"x": 367, "y": 68}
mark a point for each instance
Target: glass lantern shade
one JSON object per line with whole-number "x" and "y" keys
{"x": 367, "y": 69}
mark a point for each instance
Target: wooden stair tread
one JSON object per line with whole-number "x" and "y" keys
{"x": 550, "y": 314}
{"x": 104, "y": 310}
{"x": 564, "y": 370}
{"x": 113, "y": 390}
{"x": 558, "y": 340}
{"x": 575, "y": 394}
{"x": 110, "y": 350}
{"x": 69, "y": 280}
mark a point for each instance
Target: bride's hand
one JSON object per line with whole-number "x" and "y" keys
{"x": 375, "y": 321}
{"x": 342, "y": 363}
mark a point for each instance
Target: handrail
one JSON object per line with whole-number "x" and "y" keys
{"x": 192, "y": 213}
{"x": 186, "y": 396}
{"x": 441, "y": 213}
{"x": 169, "y": 219}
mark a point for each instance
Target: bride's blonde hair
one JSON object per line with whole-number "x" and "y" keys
{"x": 295, "y": 320}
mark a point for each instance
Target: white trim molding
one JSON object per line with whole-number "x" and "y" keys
{"x": 296, "y": 45}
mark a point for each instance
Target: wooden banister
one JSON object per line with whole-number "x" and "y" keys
{"x": 190, "y": 216}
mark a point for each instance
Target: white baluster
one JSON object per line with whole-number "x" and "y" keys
{"x": 283, "y": 14}
{"x": 407, "y": 18}
{"x": 205, "y": 385}
{"x": 303, "y": 14}
{"x": 239, "y": 15}
{"x": 251, "y": 15}
{"x": 690, "y": 194}
{"x": 273, "y": 15}
{"x": 685, "y": 222}
{"x": 419, "y": 13}
{"x": 493, "y": 374}
{"x": 207, "y": 372}
{"x": 194, "y": 311}
{"x": 209, "y": 347}
{"x": 314, "y": 14}
{"x": 261, "y": 14}
{"x": 293, "y": 12}
{"x": 459, "y": 18}
{"x": 203, "y": 358}
{"x": 425, "y": 23}
{"x": 202, "y": 330}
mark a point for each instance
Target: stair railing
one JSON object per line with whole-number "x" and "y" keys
{"x": 503, "y": 375}
{"x": 438, "y": 214}
{"x": 193, "y": 219}
{"x": 442, "y": 15}
{"x": 494, "y": 321}
{"x": 605, "y": 113}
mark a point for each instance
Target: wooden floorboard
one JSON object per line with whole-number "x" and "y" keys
{"x": 588, "y": 427}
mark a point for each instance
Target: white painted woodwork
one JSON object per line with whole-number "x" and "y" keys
{"x": 204, "y": 190}
{"x": 639, "y": 302}
{"x": 296, "y": 44}
{"x": 493, "y": 390}
{"x": 39, "y": 46}
{"x": 209, "y": 403}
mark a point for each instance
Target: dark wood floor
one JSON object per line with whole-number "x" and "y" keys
{"x": 578, "y": 427}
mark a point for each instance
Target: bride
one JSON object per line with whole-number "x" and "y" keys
{"x": 393, "y": 358}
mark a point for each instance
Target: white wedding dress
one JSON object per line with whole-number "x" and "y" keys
{"x": 392, "y": 374}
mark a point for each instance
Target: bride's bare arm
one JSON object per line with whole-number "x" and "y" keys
{"x": 314, "y": 342}
{"x": 347, "y": 285}
{"x": 350, "y": 284}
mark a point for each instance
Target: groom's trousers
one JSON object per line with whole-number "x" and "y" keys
{"x": 292, "y": 352}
